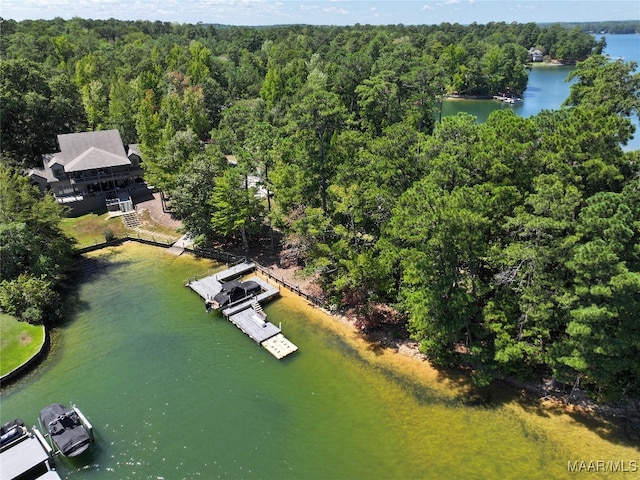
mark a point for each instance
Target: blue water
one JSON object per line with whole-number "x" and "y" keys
{"x": 548, "y": 88}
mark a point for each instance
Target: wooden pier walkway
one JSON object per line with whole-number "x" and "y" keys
{"x": 247, "y": 315}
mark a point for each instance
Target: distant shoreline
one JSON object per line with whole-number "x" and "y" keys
{"x": 454, "y": 96}
{"x": 553, "y": 63}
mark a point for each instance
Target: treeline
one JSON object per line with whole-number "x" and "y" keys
{"x": 509, "y": 247}
{"x": 95, "y": 74}
{"x": 615, "y": 27}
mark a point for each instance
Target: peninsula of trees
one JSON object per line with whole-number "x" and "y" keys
{"x": 510, "y": 247}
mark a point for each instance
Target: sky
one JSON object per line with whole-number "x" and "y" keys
{"x": 326, "y": 12}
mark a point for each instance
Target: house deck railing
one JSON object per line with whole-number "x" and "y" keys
{"x": 79, "y": 195}
{"x": 103, "y": 177}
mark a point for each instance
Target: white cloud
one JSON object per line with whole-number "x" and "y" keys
{"x": 340, "y": 11}
{"x": 265, "y": 12}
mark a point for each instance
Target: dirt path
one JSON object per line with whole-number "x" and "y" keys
{"x": 154, "y": 207}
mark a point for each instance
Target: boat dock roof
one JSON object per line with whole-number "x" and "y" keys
{"x": 27, "y": 457}
{"x": 209, "y": 286}
{"x": 247, "y": 315}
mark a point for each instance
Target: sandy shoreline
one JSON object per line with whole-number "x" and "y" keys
{"x": 544, "y": 393}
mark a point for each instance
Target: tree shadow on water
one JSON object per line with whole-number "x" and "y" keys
{"x": 615, "y": 423}
{"x": 86, "y": 269}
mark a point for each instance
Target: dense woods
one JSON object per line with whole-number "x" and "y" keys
{"x": 509, "y": 247}
{"x": 35, "y": 255}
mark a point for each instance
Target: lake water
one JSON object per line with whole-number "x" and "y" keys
{"x": 547, "y": 88}
{"x": 176, "y": 393}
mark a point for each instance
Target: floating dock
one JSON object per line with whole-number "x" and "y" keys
{"x": 247, "y": 314}
{"x": 28, "y": 457}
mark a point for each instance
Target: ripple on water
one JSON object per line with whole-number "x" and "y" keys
{"x": 171, "y": 389}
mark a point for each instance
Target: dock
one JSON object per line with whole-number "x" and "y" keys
{"x": 28, "y": 457}
{"x": 247, "y": 314}
{"x": 209, "y": 286}
{"x": 511, "y": 99}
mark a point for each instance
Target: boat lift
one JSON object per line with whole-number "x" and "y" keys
{"x": 49, "y": 442}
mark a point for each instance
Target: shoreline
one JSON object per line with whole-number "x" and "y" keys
{"x": 455, "y": 96}
{"x": 549, "y": 64}
{"x": 424, "y": 405}
{"x": 542, "y": 392}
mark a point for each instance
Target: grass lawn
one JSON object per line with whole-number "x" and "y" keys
{"x": 90, "y": 229}
{"x": 19, "y": 341}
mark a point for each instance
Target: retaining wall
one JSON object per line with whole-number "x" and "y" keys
{"x": 27, "y": 366}
{"x": 206, "y": 253}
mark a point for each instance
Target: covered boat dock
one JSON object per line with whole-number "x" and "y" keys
{"x": 247, "y": 314}
{"x": 28, "y": 457}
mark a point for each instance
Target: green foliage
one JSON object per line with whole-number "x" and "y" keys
{"x": 509, "y": 247}
{"x": 32, "y": 299}
{"x": 171, "y": 158}
{"x": 192, "y": 191}
{"x": 614, "y": 85}
{"x": 602, "y": 332}
{"x": 35, "y": 107}
{"x": 109, "y": 235}
{"x": 236, "y": 209}
{"x": 313, "y": 121}
{"x": 34, "y": 253}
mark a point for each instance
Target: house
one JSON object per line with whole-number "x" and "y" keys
{"x": 535, "y": 55}
{"x": 91, "y": 170}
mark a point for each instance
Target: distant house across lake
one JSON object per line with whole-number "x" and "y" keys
{"x": 535, "y": 55}
{"x": 91, "y": 169}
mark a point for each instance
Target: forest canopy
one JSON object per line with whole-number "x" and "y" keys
{"x": 509, "y": 247}
{"x": 35, "y": 255}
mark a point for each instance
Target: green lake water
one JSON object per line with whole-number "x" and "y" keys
{"x": 176, "y": 393}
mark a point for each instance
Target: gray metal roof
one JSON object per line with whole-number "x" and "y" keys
{"x": 22, "y": 457}
{"x": 134, "y": 148}
{"x": 95, "y": 158}
{"x": 52, "y": 158}
{"x": 74, "y": 144}
{"x": 39, "y": 172}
